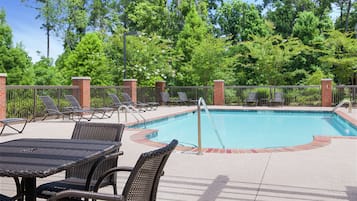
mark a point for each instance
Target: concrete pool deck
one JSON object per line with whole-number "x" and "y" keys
{"x": 324, "y": 173}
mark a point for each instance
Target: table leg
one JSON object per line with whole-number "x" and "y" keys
{"x": 30, "y": 188}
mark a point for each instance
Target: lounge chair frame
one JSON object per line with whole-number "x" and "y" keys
{"x": 9, "y": 121}
{"x": 93, "y": 111}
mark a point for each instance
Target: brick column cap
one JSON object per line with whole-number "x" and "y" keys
{"x": 326, "y": 79}
{"x": 218, "y": 80}
{"x": 127, "y": 80}
{"x": 80, "y": 78}
{"x": 3, "y": 74}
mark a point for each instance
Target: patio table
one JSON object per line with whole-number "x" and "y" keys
{"x": 30, "y": 158}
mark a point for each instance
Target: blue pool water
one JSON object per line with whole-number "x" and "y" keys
{"x": 251, "y": 129}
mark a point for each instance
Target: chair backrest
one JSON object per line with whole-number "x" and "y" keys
{"x": 74, "y": 102}
{"x": 116, "y": 100}
{"x": 95, "y": 131}
{"x": 127, "y": 98}
{"x": 182, "y": 96}
{"x": 252, "y": 96}
{"x": 49, "y": 103}
{"x": 278, "y": 96}
{"x": 165, "y": 97}
{"x": 144, "y": 178}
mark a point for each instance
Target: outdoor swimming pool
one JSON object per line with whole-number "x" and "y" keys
{"x": 251, "y": 129}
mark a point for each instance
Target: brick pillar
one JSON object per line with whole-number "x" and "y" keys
{"x": 218, "y": 94}
{"x": 3, "y": 95}
{"x": 83, "y": 96}
{"x": 326, "y": 92}
{"x": 159, "y": 87}
{"x": 130, "y": 88}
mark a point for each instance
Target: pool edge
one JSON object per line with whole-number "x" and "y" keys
{"x": 317, "y": 142}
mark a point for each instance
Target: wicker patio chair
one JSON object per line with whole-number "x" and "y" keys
{"x": 142, "y": 183}
{"x": 103, "y": 111}
{"x": 148, "y": 105}
{"x": 84, "y": 177}
{"x": 52, "y": 109}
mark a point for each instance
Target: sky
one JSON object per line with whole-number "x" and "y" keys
{"x": 26, "y": 30}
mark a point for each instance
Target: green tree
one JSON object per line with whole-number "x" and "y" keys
{"x": 194, "y": 31}
{"x": 209, "y": 61}
{"x": 268, "y": 58}
{"x": 46, "y": 74}
{"x": 306, "y": 27}
{"x": 88, "y": 59}
{"x": 240, "y": 21}
{"x": 341, "y": 56}
{"x": 13, "y": 60}
{"x": 49, "y": 12}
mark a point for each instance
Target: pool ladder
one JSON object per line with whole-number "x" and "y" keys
{"x": 342, "y": 103}
{"x": 131, "y": 109}
{"x": 202, "y": 102}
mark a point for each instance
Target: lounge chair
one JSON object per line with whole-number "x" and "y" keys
{"x": 83, "y": 177}
{"x": 8, "y": 122}
{"x": 149, "y": 105}
{"x": 166, "y": 100}
{"x": 117, "y": 103}
{"x": 251, "y": 99}
{"x": 183, "y": 98}
{"x": 93, "y": 111}
{"x": 52, "y": 109}
{"x": 277, "y": 99}
{"x": 142, "y": 183}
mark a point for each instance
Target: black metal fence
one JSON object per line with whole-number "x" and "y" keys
{"x": 22, "y": 101}
{"x": 293, "y": 95}
{"x": 344, "y": 92}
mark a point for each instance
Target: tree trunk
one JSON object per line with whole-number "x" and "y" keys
{"x": 348, "y": 15}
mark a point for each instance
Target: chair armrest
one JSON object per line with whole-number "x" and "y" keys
{"x": 85, "y": 194}
{"x": 110, "y": 172}
{"x": 97, "y": 164}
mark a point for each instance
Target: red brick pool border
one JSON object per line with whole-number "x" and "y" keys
{"x": 318, "y": 141}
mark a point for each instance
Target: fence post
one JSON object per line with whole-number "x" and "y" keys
{"x": 159, "y": 87}
{"x": 84, "y": 90}
{"x": 130, "y": 88}
{"x": 3, "y": 95}
{"x": 326, "y": 92}
{"x": 218, "y": 93}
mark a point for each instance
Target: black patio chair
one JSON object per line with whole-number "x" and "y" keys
{"x": 166, "y": 100}
{"x": 116, "y": 103}
{"x": 251, "y": 99}
{"x": 277, "y": 99}
{"x": 148, "y": 105}
{"x": 142, "y": 183}
{"x": 52, "y": 109}
{"x": 103, "y": 111}
{"x": 84, "y": 177}
{"x": 183, "y": 98}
